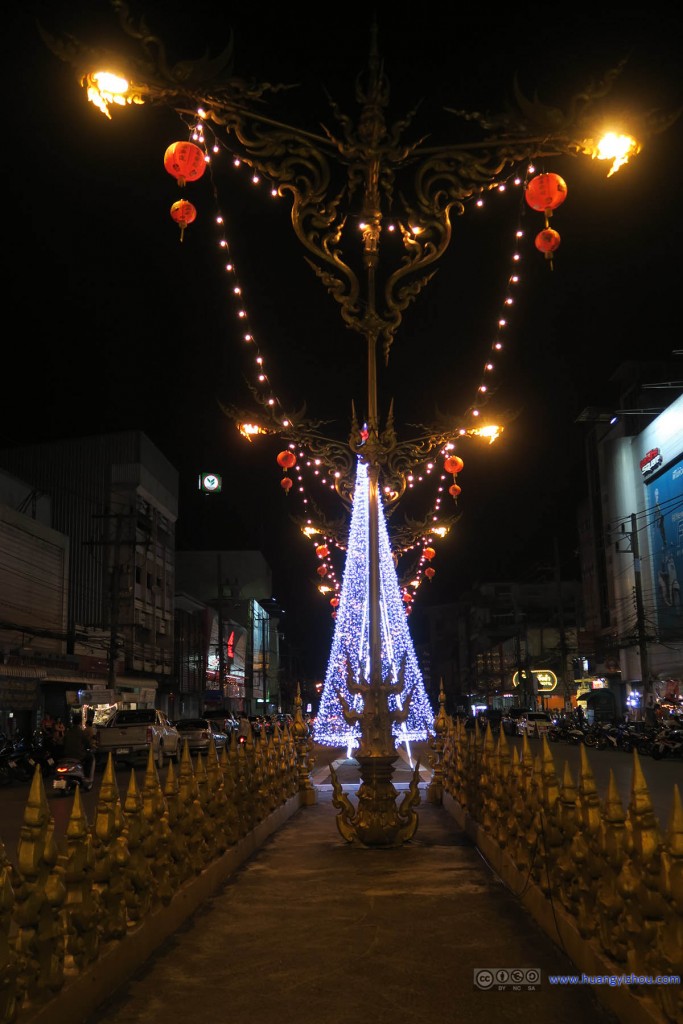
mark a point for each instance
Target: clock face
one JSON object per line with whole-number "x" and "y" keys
{"x": 211, "y": 482}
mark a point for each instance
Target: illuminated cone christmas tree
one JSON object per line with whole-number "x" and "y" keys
{"x": 351, "y": 641}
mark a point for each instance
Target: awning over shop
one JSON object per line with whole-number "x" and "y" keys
{"x": 70, "y": 679}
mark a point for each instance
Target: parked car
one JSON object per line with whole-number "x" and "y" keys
{"x": 534, "y": 723}
{"x": 130, "y": 733}
{"x": 197, "y": 732}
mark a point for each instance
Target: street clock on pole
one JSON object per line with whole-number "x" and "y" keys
{"x": 210, "y": 483}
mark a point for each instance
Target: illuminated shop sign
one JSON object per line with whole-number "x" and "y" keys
{"x": 650, "y": 462}
{"x": 545, "y": 681}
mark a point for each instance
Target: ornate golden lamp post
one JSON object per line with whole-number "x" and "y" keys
{"x": 342, "y": 188}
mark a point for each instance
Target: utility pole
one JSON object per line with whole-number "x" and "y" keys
{"x": 560, "y": 624}
{"x": 114, "y": 605}
{"x": 221, "y": 653}
{"x": 648, "y": 693}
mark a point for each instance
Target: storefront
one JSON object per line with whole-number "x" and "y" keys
{"x": 19, "y": 700}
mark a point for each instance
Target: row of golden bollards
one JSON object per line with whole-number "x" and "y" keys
{"x": 612, "y": 871}
{"x": 67, "y": 900}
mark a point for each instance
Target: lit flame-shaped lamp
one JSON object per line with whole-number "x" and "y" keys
{"x": 184, "y": 161}
{"x": 183, "y": 213}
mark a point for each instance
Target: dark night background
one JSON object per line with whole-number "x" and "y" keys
{"x": 112, "y": 325}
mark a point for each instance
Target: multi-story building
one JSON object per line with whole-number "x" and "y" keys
{"x": 506, "y": 642}
{"x": 241, "y": 639}
{"x": 631, "y": 542}
{"x": 114, "y": 497}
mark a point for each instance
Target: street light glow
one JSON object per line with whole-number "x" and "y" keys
{"x": 104, "y": 88}
{"x": 617, "y": 148}
{"x": 492, "y": 432}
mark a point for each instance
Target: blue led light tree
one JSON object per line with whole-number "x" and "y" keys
{"x": 351, "y": 640}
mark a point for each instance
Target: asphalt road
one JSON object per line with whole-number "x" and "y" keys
{"x": 661, "y": 776}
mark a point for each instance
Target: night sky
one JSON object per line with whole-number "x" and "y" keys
{"x": 112, "y": 324}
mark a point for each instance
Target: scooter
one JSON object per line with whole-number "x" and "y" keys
{"x": 668, "y": 743}
{"x": 70, "y": 775}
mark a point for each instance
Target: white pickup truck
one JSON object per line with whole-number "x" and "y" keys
{"x": 129, "y": 734}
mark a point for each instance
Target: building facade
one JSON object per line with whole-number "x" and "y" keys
{"x": 114, "y": 498}
{"x": 240, "y": 620}
{"x": 631, "y": 550}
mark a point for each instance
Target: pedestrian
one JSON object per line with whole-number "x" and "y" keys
{"x": 47, "y": 727}
{"x": 90, "y": 730}
{"x": 58, "y": 733}
{"x": 76, "y": 744}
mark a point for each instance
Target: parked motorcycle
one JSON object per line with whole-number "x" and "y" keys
{"x": 668, "y": 743}
{"x": 609, "y": 736}
{"x": 637, "y": 738}
{"x": 567, "y": 729}
{"x": 14, "y": 764}
{"x": 592, "y": 734}
{"x": 70, "y": 774}
{"x": 40, "y": 754}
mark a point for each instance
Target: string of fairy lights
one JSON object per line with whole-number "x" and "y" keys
{"x": 306, "y": 469}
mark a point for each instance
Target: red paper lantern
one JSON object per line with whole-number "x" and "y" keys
{"x": 454, "y": 490}
{"x": 184, "y": 161}
{"x": 322, "y": 551}
{"x": 429, "y": 553}
{"x": 287, "y": 460}
{"x": 547, "y": 241}
{"x": 453, "y": 464}
{"x": 334, "y": 601}
{"x": 321, "y": 570}
{"x": 429, "y": 572}
{"x": 546, "y": 192}
{"x": 183, "y": 213}
{"x": 407, "y": 598}
{"x": 286, "y": 483}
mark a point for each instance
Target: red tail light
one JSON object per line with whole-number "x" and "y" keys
{"x": 149, "y": 734}
{"x": 61, "y": 768}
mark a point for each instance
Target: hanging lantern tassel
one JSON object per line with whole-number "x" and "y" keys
{"x": 183, "y": 213}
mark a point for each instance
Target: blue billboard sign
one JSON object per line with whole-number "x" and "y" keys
{"x": 665, "y": 499}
